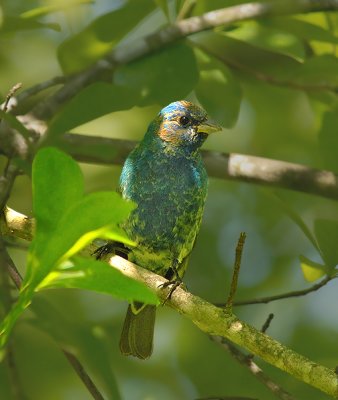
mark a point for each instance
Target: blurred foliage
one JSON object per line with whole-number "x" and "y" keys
{"x": 273, "y": 84}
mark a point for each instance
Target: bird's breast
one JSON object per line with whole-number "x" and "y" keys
{"x": 170, "y": 196}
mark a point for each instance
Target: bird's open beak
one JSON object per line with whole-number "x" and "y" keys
{"x": 208, "y": 127}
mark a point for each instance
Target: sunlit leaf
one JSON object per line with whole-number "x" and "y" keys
{"x": 303, "y": 29}
{"x": 57, "y": 183}
{"x": 218, "y": 91}
{"x": 246, "y": 57}
{"x": 162, "y": 77}
{"x": 65, "y": 222}
{"x": 45, "y": 10}
{"x": 14, "y": 23}
{"x": 101, "y": 36}
{"x": 326, "y": 232}
{"x": 98, "y": 276}
{"x": 269, "y": 37}
{"x": 91, "y": 217}
{"x": 318, "y": 71}
{"x": 312, "y": 270}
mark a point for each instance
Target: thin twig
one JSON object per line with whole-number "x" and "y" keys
{"x": 215, "y": 321}
{"x": 19, "y": 225}
{"x": 186, "y": 9}
{"x": 5, "y": 262}
{"x": 85, "y": 378}
{"x": 287, "y": 295}
{"x": 267, "y": 323}
{"x": 235, "y": 274}
{"x": 33, "y": 90}
{"x": 246, "y": 361}
{"x": 263, "y": 76}
{"x": 75, "y": 363}
{"x": 169, "y": 34}
{"x": 10, "y": 94}
{"x": 6, "y": 182}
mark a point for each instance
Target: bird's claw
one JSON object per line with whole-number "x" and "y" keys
{"x": 174, "y": 285}
{"x": 102, "y": 251}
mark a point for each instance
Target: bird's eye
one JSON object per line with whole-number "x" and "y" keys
{"x": 184, "y": 120}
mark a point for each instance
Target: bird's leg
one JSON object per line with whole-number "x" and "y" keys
{"x": 174, "y": 280}
{"x": 111, "y": 248}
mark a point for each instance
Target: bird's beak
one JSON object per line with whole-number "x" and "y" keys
{"x": 208, "y": 127}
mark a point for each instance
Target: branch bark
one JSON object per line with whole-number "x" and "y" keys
{"x": 243, "y": 359}
{"x": 238, "y": 167}
{"x": 218, "y": 322}
{"x": 215, "y": 321}
{"x": 169, "y": 34}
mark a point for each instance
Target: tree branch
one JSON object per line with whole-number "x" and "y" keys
{"x": 287, "y": 295}
{"x": 23, "y": 224}
{"x": 235, "y": 273}
{"x": 6, "y": 263}
{"x": 169, "y": 34}
{"x": 246, "y": 361}
{"x": 238, "y": 167}
{"x": 215, "y": 321}
{"x": 81, "y": 372}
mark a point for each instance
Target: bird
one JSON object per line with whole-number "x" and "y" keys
{"x": 166, "y": 178}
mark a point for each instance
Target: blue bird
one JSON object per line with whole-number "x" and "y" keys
{"x": 165, "y": 176}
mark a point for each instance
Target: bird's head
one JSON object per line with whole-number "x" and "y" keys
{"x": 184, "y": 125}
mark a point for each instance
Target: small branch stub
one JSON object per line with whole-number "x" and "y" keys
{"x": 235, "y": 275}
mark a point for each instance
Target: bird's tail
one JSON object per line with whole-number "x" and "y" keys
{"x": 138, "y": 331}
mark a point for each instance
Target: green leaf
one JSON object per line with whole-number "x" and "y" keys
{"x": 318, "y": 71}
{"x": 14, "y": 23}
{"x": 163, "y": 5}
{"x": 57, "y": 185}
{"x": 218, "y": 91}
{"x": 303, "y": 29}
{"x": 92, "y": 102}
{"x": 101, "y": 36}
{"x": 294, "y": 216}
{"x": 312, "y": 270}
{"x": 82, "y": 339}
{"x": 98, "y": 276}
{"x": 167, "y": 75}
{"x": 66, "y": 222}
{"x": 46, "y": 10}
{"x": 245, "y": 56}
{"x": 270, "y": 38}
{"x": 328, "y": 140}
{"x": 95, "y": 215}
{"x": 326, "y": 232}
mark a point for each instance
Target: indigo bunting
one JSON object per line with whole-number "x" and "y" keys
{"x": 165, "y": 176}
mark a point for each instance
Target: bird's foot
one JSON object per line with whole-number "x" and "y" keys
{"x": 111, "y": 248}
{"x": 102, "y": 251}
{"x": 174, "y": 285}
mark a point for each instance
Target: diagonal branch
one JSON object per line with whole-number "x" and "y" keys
{"x": 238, "y": 167}
{"x": 287, "y": 295}
{"x": 216, "y": 321}
{"x": 17, "y": 279}
{"x": 243, "y": 359}
{"x": 169, "y": 34}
